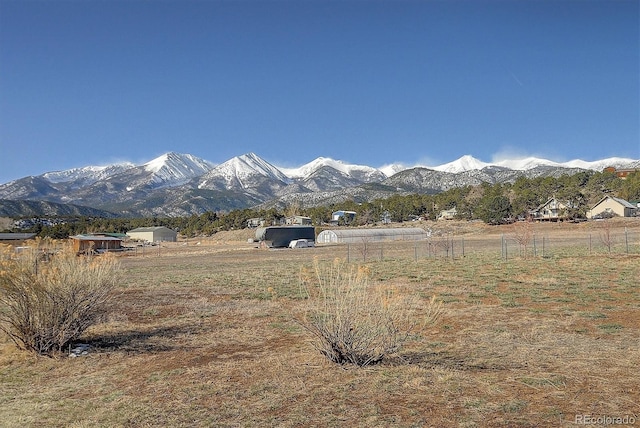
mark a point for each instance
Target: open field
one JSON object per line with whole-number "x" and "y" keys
{"x": 204, "y": 333}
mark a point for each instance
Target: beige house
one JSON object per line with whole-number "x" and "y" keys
{"x": 153, "y": 234}
{"x": 449, "y": 214}
{"x": 610, "y": 206}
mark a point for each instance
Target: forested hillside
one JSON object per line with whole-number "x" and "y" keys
{"x": 486, "y": 202}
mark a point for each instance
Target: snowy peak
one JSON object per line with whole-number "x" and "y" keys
{"x": 525, "y": 164}
{"x": 177, "y": 167}
{"x": 361, "y": 172}
{"x": 87, "y": 174}
{"x": 463, "y": 164}
{"x": 392, "y": 169}
{"x": 239, "y": 169}
{"x": 528, "y": 163}
{"x": 601, "y": 164}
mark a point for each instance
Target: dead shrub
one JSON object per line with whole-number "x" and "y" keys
{"x": 353, "y": 322}
{"x": 47, "y": 302}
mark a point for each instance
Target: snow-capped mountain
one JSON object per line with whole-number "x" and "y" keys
{"x": 166, "y": 171}
{"x": 182, "y": 184}
{"x": 362, "y": 173}
{"x": 87, "y": 175}
{"x": 392, "y": 169}
{"x": 177, "y": 168}
{"x": 465, "y": 163}
{"x": 469, "y": 163}
{"x": 602, "y": 164}
{"x": 241, "y": 171}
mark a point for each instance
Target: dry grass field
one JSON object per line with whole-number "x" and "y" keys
{"x": 204, "y": 333}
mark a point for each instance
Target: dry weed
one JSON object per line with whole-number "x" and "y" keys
{"x": 48, "y": 300}
{"x": 357, "y": 323}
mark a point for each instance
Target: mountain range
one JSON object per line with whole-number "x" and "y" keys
{"x": 177, "y": 184}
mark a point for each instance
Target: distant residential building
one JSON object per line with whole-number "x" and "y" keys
{"x": 91, "y": 243}
{"x": 621, "y": 172}
{"x": 346, "y": 216}
{"x": 610, "y": 206}
{"x": 449, "y": 214}
{"x": 298, "y": 220}
{"x": 16, "y": 238}
{"x": 552, "y": 210}
{"x": 153, "y": 234}
{"x": 252, "y": 223}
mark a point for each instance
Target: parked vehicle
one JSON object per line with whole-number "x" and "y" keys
{"x": 300, "y": 243}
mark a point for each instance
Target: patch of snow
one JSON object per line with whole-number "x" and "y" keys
{"x": 465, "y": 163}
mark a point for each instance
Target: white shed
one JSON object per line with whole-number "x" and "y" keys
{"x": 153, "y": 234}
{"x": 337, "y": 236}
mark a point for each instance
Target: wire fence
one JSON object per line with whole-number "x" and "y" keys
{"x": 504, "y": 246}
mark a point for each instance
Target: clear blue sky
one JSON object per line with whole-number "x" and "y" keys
{"x": 367, "y": 82}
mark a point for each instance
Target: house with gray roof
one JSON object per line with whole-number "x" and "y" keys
{"x": 610, "y": 206}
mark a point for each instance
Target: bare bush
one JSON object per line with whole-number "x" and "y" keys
{"x": 47, "y": 302}
{"x": 523, "y": 235}
{"x": 606, "y": 236}
{"x": 353, "y": 322}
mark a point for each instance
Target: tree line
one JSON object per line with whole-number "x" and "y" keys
{"x": 491, "y": 203}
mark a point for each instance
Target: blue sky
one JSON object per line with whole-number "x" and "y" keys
{"x": 367, "y": 82}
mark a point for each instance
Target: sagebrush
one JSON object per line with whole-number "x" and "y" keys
{"x": 354, "y": 322}
{"x": 49, "y": 298}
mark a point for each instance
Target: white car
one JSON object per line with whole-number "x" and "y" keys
{"x": 300, "y": 243}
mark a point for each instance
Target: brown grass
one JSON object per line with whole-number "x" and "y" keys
{"x": 205, "y": 336}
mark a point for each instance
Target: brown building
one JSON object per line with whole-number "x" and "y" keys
{"x": 16, "y": 238}
{"x": 91, "y": 243}
{"x": 622, "y": 172}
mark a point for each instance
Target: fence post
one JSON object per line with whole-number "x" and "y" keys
{"x": 452, "y": 257}
{"x": 626, "y": 239}
{"x": 462, "y": 247}
{"x": 506, "y": 249}
{"x": 348, "y": 253}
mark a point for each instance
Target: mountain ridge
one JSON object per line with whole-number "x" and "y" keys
{"x": 179, "y": 184}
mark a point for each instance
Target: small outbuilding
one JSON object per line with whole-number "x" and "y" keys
{"x": 298, "y": 220}
{"x": 16, "y": 238}
{"x": 91, "y": 243}
{"x": 339, "y": 236}
{"x": 153, "y": 234}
